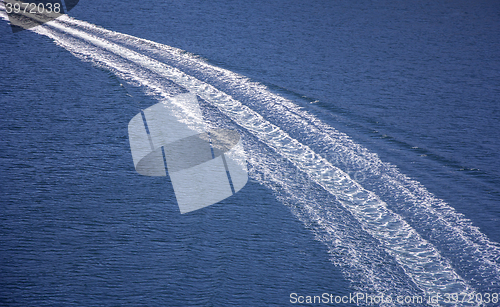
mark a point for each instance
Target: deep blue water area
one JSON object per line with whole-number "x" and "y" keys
{"x": 416, "y": 83}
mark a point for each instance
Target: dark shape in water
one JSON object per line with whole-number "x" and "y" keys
{"x": 28, "y": 14}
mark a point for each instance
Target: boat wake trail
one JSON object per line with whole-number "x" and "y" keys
{"x": 386, "y": 232}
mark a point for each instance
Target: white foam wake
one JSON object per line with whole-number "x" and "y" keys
{"x": 472, "y": 253}
{"x": 418, "y": 257}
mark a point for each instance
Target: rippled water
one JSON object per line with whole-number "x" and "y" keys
{"x": 371, "y": 133}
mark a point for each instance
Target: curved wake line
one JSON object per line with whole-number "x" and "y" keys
{"x": 472, "y": 252}
{"x": 420, "y": 259}
{"x": 414, "y": 193}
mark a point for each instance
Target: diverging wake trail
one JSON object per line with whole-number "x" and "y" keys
{"x": 360, "y": 229}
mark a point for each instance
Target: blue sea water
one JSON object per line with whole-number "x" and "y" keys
{"x": 400, "y": 96}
